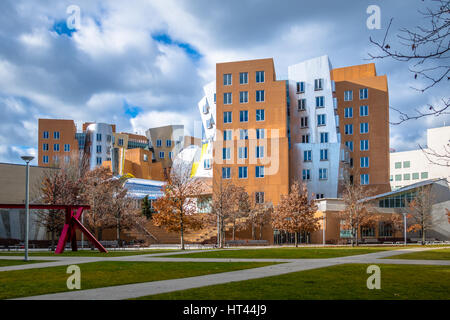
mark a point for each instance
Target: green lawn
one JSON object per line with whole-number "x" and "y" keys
{"x": 437, "y": 254}
{"x": 89, "y": 253}
{"x": 31, "y": 282}
{"x": 285, "y": 253}
{"x": 337, "y": 282}
{"x": 7, "y": 263}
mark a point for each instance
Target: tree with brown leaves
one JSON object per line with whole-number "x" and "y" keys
{"x": 176, "y": 210}
{"x": 419, "y": 212}
{"x": 295, "y": 213}
{"x": 260, "y": 215}
{"x": 240, "y": 209}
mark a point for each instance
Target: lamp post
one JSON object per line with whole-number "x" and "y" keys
{"x": 27, "y": 159}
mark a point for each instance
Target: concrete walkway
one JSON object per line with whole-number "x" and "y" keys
{"x": 156, "y": 287}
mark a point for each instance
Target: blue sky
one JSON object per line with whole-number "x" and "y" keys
{"x": 143, "y": 63}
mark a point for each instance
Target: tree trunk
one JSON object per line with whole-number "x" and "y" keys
{"x": 357, "y": 227}
{"x": 260, "y": 232}
{"x": 53, "y": 240}
{"x": 234, "y": 230}
{"x": 99, "y": 234}
{"x": 253, "y": 231}
{"x": 181, "y": 231}
{"x": 295, "y": 241}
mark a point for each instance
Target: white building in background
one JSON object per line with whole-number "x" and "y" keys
{"x": 408, "y": 167}
{"x": 100, "y": 141}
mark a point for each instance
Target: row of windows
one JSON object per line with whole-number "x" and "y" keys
{"x": 323, "y": 174}
{"x": 243, "y": 97}
{"x": 243, "y": 78}
{"x": 307, "y": 155}
{"x": 56, "y": 135}
{"x": 159, "y": 143}
{"x": 162, "y": 155}
{"x": 323, "y": 137}
{"x": 406, "y": 164}
{"x": 408, "y": 176}
{"x": 321, "y": 121}
{"x": 363, "y": 128}
{"x": 320, "y": 103}
{"x": 45, "y": 147}
{"x": 243, "y": 134}
{"x": 243, "y": 153}
{"x": 243, "y": 116}
{"x": 243, "y": 172}
{"x": 45, "y": 159}
{"x": 363, "y": 145}
{"x": 363, "y": 94}
{"x": 318, "y": 85}
{"x": 363, "y": 112}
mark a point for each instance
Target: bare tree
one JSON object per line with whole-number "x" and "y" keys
{"x": 420, "y": 211}
{"x": 223, "y": 205}
{"x": 240, "y": 202}
{"x": 260, "y": 215}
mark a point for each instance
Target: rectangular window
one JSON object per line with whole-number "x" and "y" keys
{"x": 243, "y": 134}
{"x": 398, "y": 177}
{"x": 159, "y": 143}
{"x": 259, "y": 171}
{"x": 243, "y": 78}
{"x": 385, "y": 229}
{"x": 365, "y": 179}
{"x": 207, "y": 164}
{"x": 398, "y": 165}
{"x": 318, "y": 84}
{"x": 46, "y": 135}
{"x": 226, "y": 173}
{"x": 363, "y": 94}
{"x": 321, "y": 120}
{"x": 99, "y": 137}
{"x": 320, "y": 102}
{"x": 56, "y": 135}
{"x": 56, "y": 159}
{"x": 306, "y": 174}
{"x": 227, "y": 135}
{"x": 349, "y": 145}
{"x": 259, "y": 76}
{"x": 323, "y": 154}
{"x": 364, "y": 145}
{"x": 300, "y": 87}
{"x": 243, "y": 116}
{"x": 260, "y": 96}
{"x": 348, "y": 95}
{"x": 145, "y": 158}
{"x": 226, "y": 154}
{"x": 214, "y": 98}
{"x": 120, "y": 142}
{"x": 45, "y": 147}
{"x": 66, "y": 159}
{"x": 259, "y": 197}
{"x": 307, "y": 155}
{"x": 406, "y": 164}
{"x": 243, "y": 96}
{"x": 259, "y": 152}
{"x": 56, "y": 147}
{"x": 45, "y": 159}
{"x": 168, "y": 143}
{"x": 161, "y": 155}
{"x": 415, "y": 176}
{"x": 303, "y": 122}
{"x": 323, "y": 174}
{"x": 242, "y": 152}
{"x": 305, "y": 138}
{"x": 407, "y": 176}
{"x": 363, "y": 111}
{"x": 227, "y": 98}
{"x": 367, "y": 232}
{"x": 324, "y": 137}
{"x": 170, "y": 155}
{"x": 227, "y": 79}
{"x": 364, "y": 162}
{"x": 424, "y": 175}
{"x": 99, "y": 160}
{"x": 301, "y": 104}
{"x": 364, "y": 127}
{"x": 242, "y": 172}
{"x": 348, "y": 112}
{"x": 260, "y": 115}
{"x": 391, "y": 178}
{"x": 227, "y": 117}
{"x": 260, "y": 134}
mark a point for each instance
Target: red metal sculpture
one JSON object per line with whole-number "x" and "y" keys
{"x": 72, "y": 222}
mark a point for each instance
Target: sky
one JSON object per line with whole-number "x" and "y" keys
{"x": 142, "y": 64}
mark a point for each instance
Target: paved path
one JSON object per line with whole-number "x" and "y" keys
{"x": 156, "y": 287}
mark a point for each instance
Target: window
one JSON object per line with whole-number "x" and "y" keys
{"x": 243, "y": 78}
{"x": 226, "y": 173}
{"x": 120, "y": 142}
{"x": 260, "y": 116}
{"x": 351, "y": 162}
{"x": 45, "y": 134}
{"x": 348, "y": 112}
{"x": 56, "y": 159}
{"x": 301, "y": 104}
{"x": 318, "y": 84}
{"x": 159, "y": 143}
{"x": 226, "y": 154}
{"x": 320, "y": 196}
{"x": 45, "y": 159}
{"x": 348, "y": 95}
{"x": 227, "y": 98}
{"x": 243, "y": 134}
{"x": 161, "y": 154}
{"x": 168, "y": 143}
{"x": 303, "y": 122}
{"x": 66, "y": 159}
{"x": 242, "y": 152}
{"x": 323, "y": 174}
{"x": 367, "y": 232}
{"x": 243, "y": 116}
{"x": 243, "y": 97}
{"x": 306, "y": 174}
{"x": 145, "y": 158}
{"x": 391, "y": 178}
{"x": 56, "y": 135}
{"x": 363, "y": 127}
{"x": 242, "y": 172}
{"x": 227, "y": 135}
{"x": 305, "y": 138}
{"x": 259, "y": 152}
{"x": 99, "y": 149}
{"x": 424, "y": 175}
{"x": 56, "y": 147}
{"x": 385, "y": 229}
{"x": 324, "y": 137}
{"x": 259, "y": 76}
{"x": 415, "y": 176}
{"x": 323, "y": 154}
{"x": 349, "y": 145}
{"x": 170, "y": 155}
{"x": 364, "y": 162}
{"x": 363, "y": 94}
{"x": 99, "y": 137}
{"x": 227, "y": 117}
{"x": 300, "y": 87}
{"x": 320, "y": 102}
{"x": 406, "y": 164}
{"x": 320, "y": 119}
{"x": 363, "y": 111}
{"x": 45, "y": 147}
{"x": 398, "y": 165}
{"x": 207, "y": 164}
{"x": 259, "y": 197}
{"x": 364, "y": 145}
{"x": 259, "y": 95}
{"x": 307, "y": 155}
{"x": 99, "y": 160}
{"x": 260, "y": 133}
{"x": 398, "y": 177}
{"x": 348, "y": 129}
{"x": 406, "y": 176}
{"x": 259, "y": 171}
{"x": 365, "y": 179}
{"x": 227, "y": 79}
{"x": 214, "y": 98}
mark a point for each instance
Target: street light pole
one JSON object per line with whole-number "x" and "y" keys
{"x": 27, "y": 159}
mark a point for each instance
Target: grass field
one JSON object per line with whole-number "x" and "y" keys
{"x": 337, "y": 282}
{"x": 286, "y": 253}
{"x": 89, "y": 253}
{"x": 7, "y": 263}
{"x": 31, "y": 282}
{"x": 438, "y": 254}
